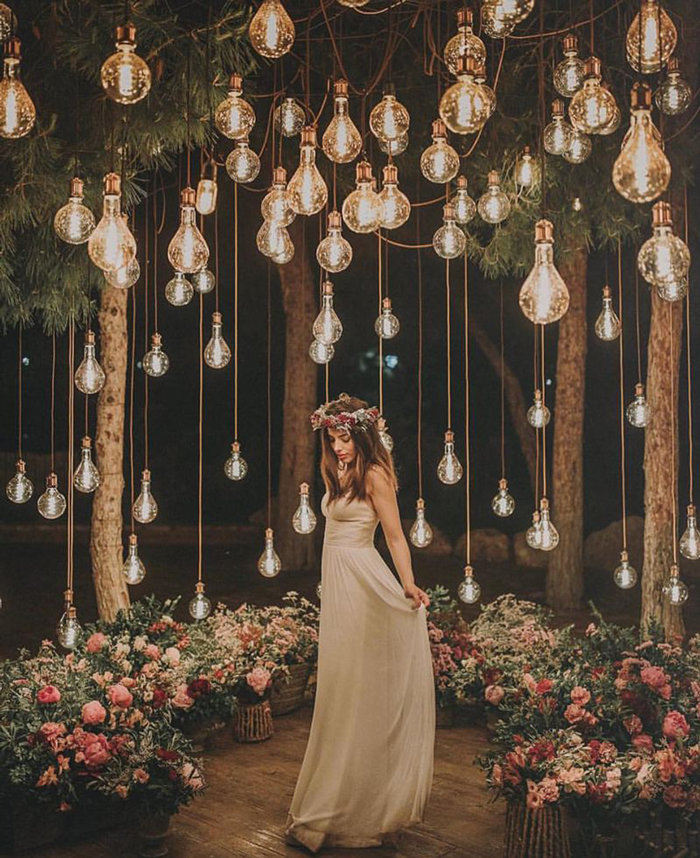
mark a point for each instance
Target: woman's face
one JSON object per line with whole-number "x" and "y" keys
{"x": 343, "y": 446}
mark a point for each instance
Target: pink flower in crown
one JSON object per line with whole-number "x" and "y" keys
{"x": 675, "y": 726}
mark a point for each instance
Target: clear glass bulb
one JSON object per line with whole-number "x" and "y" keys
{"x": 387, "y": 324}
{"x": 353, "y": 4}
{"x": 308, "y": 193}
{"x": 516, "y": 9}
{"x": 362, "y": 208}
{"x": 341, "y": 141}
{"x": 327, "y": 327}
{"x": 651, "y": 38}
{"x": 334, "y": 253}
{"x": 216, "y": 353}
{"x": 664, "y": 259}
{"x": 396, "y": 207}
{"x": 488, "y": 94}
{"x": 145, "y": 506}
{"x": 469, "y": 590}
{"x": 625, "y": 575}
{"x": 449, "y": 469}
{"x": 439, "y": 163}
{"x": 179, "y": 291}
{"x": 674, "y": 95}
{"x": 394, "y": 147}
{"x": 527, "y": 171}
{"x": 494, "y": 22}
{"x": 538, "y": 415}
{"x": 133, "y": 569}
{"x": 549, "y": 535}
{"x": 124, "y": 278}
{"x": 86, "y": 478}
{"x": 593, "y": 109}
{"x": 638, "y": 411}
{"x": 544, "y": 297}
{"x": 533, "y": 535}
{"x": 203, "y": 281}
{"x": 321, "y": 353}
{"x": 614, "y": 123}
{"x": 242, "y": 164}
{"x": 384, "y": 436}
{"x": 207, "y": 190}
{"x": 494, "y": 205}
{"x": 20, "y": 488}
{"x": 111, "y": 245}
{"x": 463, "y": 205}
{"x": 570, "y": 73}
{"x": 464, "y": 43}
{"x": 579, "y": 148}
{"x": 289, "y": 117}
{"x": 675, "y": 590}
{"x": 449, "y": 241}
{"x": 464, "y": 107}
{"x": 675, "y": 291}
{"x": 275, "y": 205}
{"x": 17, "y": 111}
{"x": 690, "y": 541}
{"x": 304, "y": 518}
{"x": 200, "y": 605}
{"x": 155, "y": 361}
{"x": 558, "y": 133}
{"x": 74, "y": 222}
{"x": 235, "y": 466}
{"x": 286, "y": 252}
{"x": 503, "y": 504}
{"x": 607, "y": 326}
{"x": 52, "y": 504}
{"x": 269, "y": 564}
{"x": 69, "y": 630}
{"x": 642, "y": 171}
{"x": 125, "y": 77}
{"x": 188, "y": 251}
{"x": 274, "y": 240}
{"x": 421, "y": 533}
{"x": 271, "y": 30}
{"x": 8, "y": 22}
{"x": 89, "y": 376}
{"x": 389, "y": 119}
{"x": 234, "y": 117}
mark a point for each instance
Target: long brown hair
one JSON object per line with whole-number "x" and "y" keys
{"x": 369, "y": 452}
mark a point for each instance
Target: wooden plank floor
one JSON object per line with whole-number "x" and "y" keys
{"x": 243, "y": 812}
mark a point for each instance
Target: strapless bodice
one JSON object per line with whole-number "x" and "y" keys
{"x": 349, "y": 524}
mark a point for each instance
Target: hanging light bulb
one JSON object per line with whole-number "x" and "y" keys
{"x": 155, "y": 361}
{"x": 389, "y": 119}
{"x": 74, "y": 222}
{"x": 242, "y": 164}
{"x": 579, "y": 148}
{"x": 449, "y": 240}
{"x": 207, "y": 190}
{"x": 439, "y": 163}
{"x": 353, "y": 4}
{"x": 200, "y": 606}
{"x": 674, "y": 291}
{"x": 503, "y": 504}
{"x": 20, "y": 488}
{"x": 334, "y": 253}
{"x": 362, "y": 208}
{"x": 269, "y": 564}
{"x": 321, "y": 353}
{"x": 569, "y": 74}
{"x": 307, "y": 191}
{"x": 576, "y": 204}
{"x": 464, "y": 107}
{"x": 111, "y": 245}
{"x": 558, "y": 134}
{"x": 327, "y": 327}
{"x": 17, "y": 111}
{"x": 145, "y": 506}
{"x": 463, "y": 205}
{"x": 533, "y": 535}
{"x": 86, "y": 478}
{"x": 516, "y": 9}
{"x": 494, "y": 22}
{"x": 396, "y": 207}
{"x": 494, "y": 205}
{"x": 124, "y": 278}
{"x": 638, "y": 411}
{"x": 188, "y": 251}
{"x": 674, "y": 95}
{"x": 387, "y": 325}
{"x": 52, "y": 504}
{"x": 625, "y": 575}
{"x": 607, "y": 326}
{"x": 641, "y": 172}
{"x": 469, "y": 590}
{"x": 304, "y": 518}
{"x": 449, "y": 469}
{"x": 421, "y": 533}
{"x": 234, "y": 117}
{"x": 538, "y": 415}
{"x": 289, "y": 117}
{"x": 544, "y": 297}
{"x": 271, "y": 30}
{"x": 394, "y": 147}
{"x": 125, "y": 77}
{"x": 217, "y": 353}
{"x": 68, "y": 630}
{"x": 236, "y": 466}
{"x": 615, "y": 120}
{"x": 549, "y": 535}
{"x": 664, "y": 259}
{"x": 675, "y": 590}
{"x": 179, "y": 291}
{"x": 384, "y": 436}
{"x": 133, "y": 569}
{"x": 464, "y": 43}
{"x": 690, "y": 541}
{"x": 527, "y": 171}
{"x": 651, "y": 38}
{"x": 275, "y": 205}
{"x": 487, "y": 93}
{"x": 273, "y": 240}
{"x": 341, "y": 142}
{"x": 8, "y": 22}
{"x": 89, "y": 376}
{"x": 203, "y": 281}
{"x": 593, "y": 108}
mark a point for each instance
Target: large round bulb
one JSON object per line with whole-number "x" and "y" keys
{"x": 362, "y": 208}
{"x": 389, "y": 119}
{"x": 111, "y": 245}
{"x": 320, "y": 352}
{"x": 544, "y": 297}
{"x": 625, "y": 575}
{"x": 464, "y": 43}
{"x": 133, "y": 569}
{"x": 124, "y": 278}
{"x": 234, "y": 117}
{"x": 217, "y": 354}
{"x": 558, "y": 134}
{"x": 200, "y": 606}
{"x": 74, "y": 222}
{"x": 235, "y": 466}
{"x": 593, "y": 109}
{"x": 334, "y": 253}
{"x": 269, "y": 564}
{"x": 449, "y": 468}
{"x": 52, "y": 504}
{"x": 20, "y": 488}
{"x": 188, "y": 251}
{"x": 394, "y": 147}
{"x": 464, "y": 106}
{"x": 271, "y": 30}
{"x": 664, "y": 259}
{"x": 638, "y": 411}
{"x": 570, "y": 73}
{"x": 327, "y": 327}
{"x": 494, "y": 205}
{"x": 289, "y": 117}
{"x": 145, "y": 508}
{"x": 179, "y": 291}
{"x": 89, "y": 376}
{"x": 125, "y": 77}
{"x": 503, "y": 504}
{"x": 69, "y": 630}
{"x": 439, "y": 163}
{"x": 396, "y": 207}
{"x": 579, "y": 149}
{"x": 494, "y": 22}
{"x": 304, "y": 518}
{"x": 607, "y": 326}
{"x": 651, "y": 38}
{"x": 307, "y": 191}
{"x": 674, "y": 95}
{"x": 275, "y": 205}
{"x": 17, "y": 111}
{"x": 449, "y": 240}
{"x": 421, "y": 533}
{"x": 387, "y": 324}
{"x": 463, "y": 205}
{"x": 469, "y": 590}
{"x": 86, "y": 478}
{"x": 674, "y": 589}
{"x": 242, "y": 164}
{"x": 203, "y": 281}
{"x": 155, "y": 362}
{"x": 341, "y": 140}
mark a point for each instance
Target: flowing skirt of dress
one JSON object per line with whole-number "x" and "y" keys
{"x": 368, "y": 767}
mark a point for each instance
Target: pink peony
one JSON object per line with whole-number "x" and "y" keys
{"x": 580, "y": 696}
{"x": 96, "y": 750}
{"x": 657, "y": 679}
{"x": 182, "y": 699}
{"x": 494, "y": 694}
{"x": 574, "y": 713}
{"x": 643, "y": 742}
{"x": 152, "y": 651}
{"x": 120, "y": 695}
{"x": 259, "y": 680}
{"x": 93, "y": 712}
{"x": 48, "y": 694}
{"x": 172, "y": 656}
{"x": 95, "y": 642}
{"x": 675, "y": 726}
{"x": 50, "y": 731}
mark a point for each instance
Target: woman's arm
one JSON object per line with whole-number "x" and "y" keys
{"x": 383, "y": 497}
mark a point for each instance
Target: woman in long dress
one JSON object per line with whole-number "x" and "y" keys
{"x": 368, "y": 768}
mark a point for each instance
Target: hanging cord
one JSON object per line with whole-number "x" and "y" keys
{"x": 71, "y": 444}
{"x": 327, "y": 366}
{"x": 420, "y": 356}
{"x": 621, "y": 350}
{"x": 200, "y": 433}
{"x": 535, "y": 351}
{"x": 158, "y": 228}
{"x": 216, "y": 257}
{"x": 381, "y": 341}
{"x": 467, "y": 452}
{"x": 636, "y": 322}
{"x": 187, "y": 108}
{"x": 543, "y": 115}
{"x": 503, "y": 391}
{"x": 448, "y": 347}
{"x": 544, "y": 426}
{"x": 147, "y": 341}
{"x": 19, "y": 391}
{"x": 674, "y": 491}
{"x": 268, "y": 345}
{"x": 689, "y": 374}
{"x": 591, "y": 17}
{"x": 53, "y": 401}
{"x": 235, "y": 311}
{"x": 131, "y": 403}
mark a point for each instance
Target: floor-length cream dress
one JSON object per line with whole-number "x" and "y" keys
{"x": 368, "y": 768}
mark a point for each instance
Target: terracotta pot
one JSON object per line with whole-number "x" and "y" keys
{"x": 288, "y": 693}
{"x": 252, "y": 722}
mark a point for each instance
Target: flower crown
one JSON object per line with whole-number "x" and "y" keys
{"x": 349, "y": 421}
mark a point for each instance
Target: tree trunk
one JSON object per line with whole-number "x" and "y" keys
{"x": 297, "y": 461}
{"x": 106, "y": 530}
{"x": 565, "y": 571}
{"x": 660, "y": 475}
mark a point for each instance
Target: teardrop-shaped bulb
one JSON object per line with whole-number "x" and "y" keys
{"x": 503, "y": 504}
{"x": 651, "y": 38}
{"x": 421, "y": 533}
{"x": 145, "y": 506}
{"x": 235, "y": 466}
{"x": 449, "y": 468}
{"x": 690, "y": 541}
{"x": 341, "y": 141}
{"x": 217, "y": 354}
{"x": 271, "y": 30}
{"x": 549, "y": 535}
{"x": 544, "y": 297}
{"x": 607, "y": 326}
{"x": 133, "y": 569}
{"x": 188, "y": 252}
{"x": 269, "y": 564}
{"x": 17, "y": 111}
{"x": 327, "y": 327}
{"x": 304, "y": 518}
{"x": 111, "y": 245}
{"x": 89, "y": 376}
{"x": 69, "y": 631}
{"x": 86, "y": 478}
{"x": 308, "y": 193}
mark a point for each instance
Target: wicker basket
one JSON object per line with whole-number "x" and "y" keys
{"x": 542, "y": 833}
{"x": 288, "y": 693}
{"x": 252, "y": 722}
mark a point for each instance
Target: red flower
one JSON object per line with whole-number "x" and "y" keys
{"x": 544, "y": 686}
{"x": 198, "y": 687}
{"x": 169, "y": 756}
{"x": 48, "y": 694}
{"x": 159, "y": 698}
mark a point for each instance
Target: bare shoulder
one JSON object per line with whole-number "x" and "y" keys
{"x": 379, "y": 481}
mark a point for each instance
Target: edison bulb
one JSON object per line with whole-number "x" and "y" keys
{"x": 690, "y": 541}
{"x": 579, "y": 148}
{"x": 494, "y": 22}
{"x": 538, "y": 415}
{"x": 145, "y": 506}
{"x": 17, "y": 111}
{"x": 439, "y": 163}
{"x": 155, "y": 361}
{"x": 207, "y": 190}
{"x": 133, "y": 569}
{"x": 558, "y": 134}
{"x": 527, "y": 171}
{"x": 327, "y": 327}
{"x": 334, "y": 253}
{"x": 308, "y": 192}
{"x": 394, "y": 147}
{"x": 463, "y": 205}
{"x": 675, "y": 291}
{"x": 341, "y": 141}
{"x": 20, "y": 488}
{"x": 188, "y": 251}
{"x": 674, "y": 95}
{"x": 320, "y": 352}
{"x": 449, "y": 240}
{"x": 449, "y": 468}
{"x": 421, "y": 533}
{"x": 242, "y": 164}
{"x": 275, "y": 205}
{"x": 664, "y": 259}
{"x": 125, "y": 77}
{"x": 271, "y": 30}
{"x": 124, "y": 278}
{"x": 111, "y": 245}
{"x": 286, "y": 252}
{"x": 396, "y": 207}
{"x": 234, "y": 117}
{"x": 178, "y": 290}
{"x": 362, "y": 208}
{"x": 304, "y": 518}
{"x": 494, "y": 205}
{"x": 503, "y": 504}
{"x": 516, "y": 9}
{"x": 533, "y": 535}
{"x": 593, "y": 108}
{"x": 549, "y": 535}
{"x": 389, "y": 119}
{"x": 675, "y": 590}
{"x": 74, "y": 222}
{"x": 217, "y": 354}
{"x": 203, "y": 281}
{"x": 625, "y": 575}
{"x": 464, "y": 107}
{"x": 607, "y": 326}
{"x": 199, "y": 606}
{"x": 569, "y": 74}
{"x": 638, "y": 411}
{"x": 52, "y": 504}
{"x": 86, "y": 478}
{"x": 289, "y": 117}
{"x": 269, "y": 564}
{"x": 544, "y": 297}
{"x": 274, "y": 240}
{"x": 89, "y": 376}
{"x": 387, "y": 324}
{"x": 464, "y": 43}
{"x": 469, "y": 590}
{"x": 651, "y": 38}
{"x": 235, "y": 466}
{"x": 69, "y": 630}
{"x": 614, "y": 122}
{"x": 8, "y": 22}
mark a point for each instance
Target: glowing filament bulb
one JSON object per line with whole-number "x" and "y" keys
{"x": 465, "y": 106}
{"x": 52, "y": 504}
{"x": 273, "y": 240}
{"x": 362, "y": 208}
{"x": 464, "y": 43}
{"x": 664, "y": 259}
{"x": 538, "y": 415}
{"x": 449, "y": 468}
{"x": 558, "y": 134}
{"x": 145, "y": 506}
{"x": 396, "y": 208}
{"x": 133, "y": 569}
{"x": 217, "y": 354}
{"x": 8, "y": 22}
{"x": 179, "y": 291}
{"x": 275, "y": 205}
{"x": 690, "y": 541}
{"x": 674, "y": 95}
{"x": 155, "y": 361}
{"x": 327, "y": 327}
{"x": 494, "y": 205}
{"x": 387, "y": 324}
{"x": 341, "y": 142}
{"x": 304, "y": 518}
{"x": 638, "y": 411}
{"x": 421, "y": 533}
{"x": 269, "y": 564}
{"x": 207, "y": 190}
{"x": 86, "y": 478}
{"x": 334, "y": 253}
{"x": 89, "y": 376}
{"x": 439, "y": 163}
{"x": 200, "y": 605}
{"x": 74, "y": 222}
{"x": 527, "y": 171}
{"x": 235, "y": 466}
{"x": 607, "y": 326}
{"x": 389, "y": 119}
{"x": 17, "y": 111}
{"x": 544, "y": 297}
{"x": 625, "y": 575}
{"x": 569, "y": 74}
{"x": 579, "y": 148}
{"x": 308, "y": 192}
{"x": 69, "y": 630}
{"x": 188, "y": 251}
{"x": 533, "y": 536}
{"x": 320, "y": 352}
{"x": 449, "y": 240}
{"x": 675, "y": 590}
{"x": 593, "y": 109}
{"x": 469, "y": 590}
{"x": 494, "y": 22}
{"x": 125, "y": 77}
{"x": 271, "y": 30}
{"x": 549, "y": 535}
{"x": 20, "y": 488}
{"x": 124, "y": 278}
{"x": 234, "y": 117}
{"x": 242, "y": 164}
{"x": 111, "y": 245}
{"x": 503, "y": 504}
{"x": 289, "y": 118}
{"x": 651, "y": 38}
{"x": 463, "y": 205}
{"x": 203, "y": 281}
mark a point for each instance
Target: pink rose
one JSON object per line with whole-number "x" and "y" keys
{"x": 656, "y": 678}
{"x": 182, "y": 699}
{"x": 633, "y": 725}
{"x": 93, "y": 712}
{"x": 120, "y": 695}
{"x": 96, "y": 750}
{"x": 643, "y": 742}
{"x": 48, "y": 694}
{"x": 574, "y": 713}
{"x": 172, "y": 656}
{"x": 259, "y": 680}
{"x": 580, "y": 696}
{"x": 50, "y": 731}
{"x": 95, "y": 642}
{"x": 494, "y": 694}
{"x": 675, "y": 726}
{"x": 152, "y": 651}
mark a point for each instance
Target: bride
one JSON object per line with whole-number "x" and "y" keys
{"x": 368, "y": 767}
